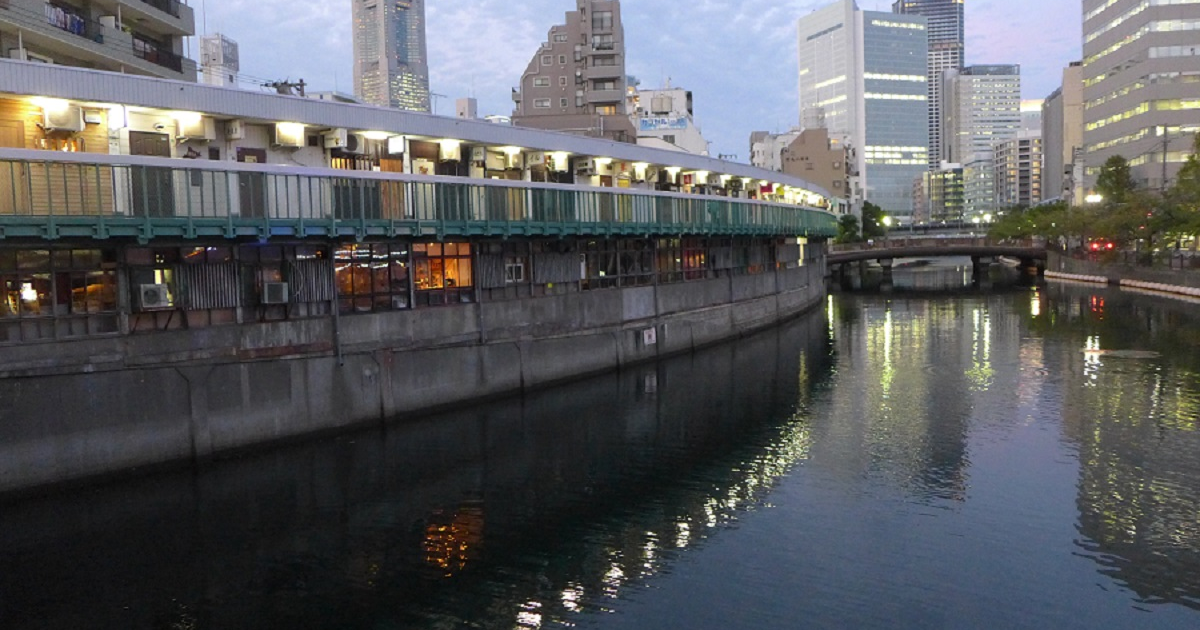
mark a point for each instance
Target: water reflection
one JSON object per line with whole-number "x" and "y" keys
{"x": 898, "y": 460}
{"x": 1135, "y": 418}
{"x": 521, "y": 513}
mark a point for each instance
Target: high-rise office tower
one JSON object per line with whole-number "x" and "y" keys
{"x": 576, "y": 80}
{"x": 391, "y": 65}
{"x": 1141, "y": 85}
{"x": 982, "y": 109}
{"x": 946, "y": 37}
{"x": 1062, "y": 137}
{"x": 864, "y": 77}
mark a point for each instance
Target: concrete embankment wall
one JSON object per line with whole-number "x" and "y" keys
{"x": 1173, "y": 281}
{"x": 75, "y": 410}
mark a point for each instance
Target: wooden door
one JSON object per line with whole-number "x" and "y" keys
{"x": 13, "y": 188}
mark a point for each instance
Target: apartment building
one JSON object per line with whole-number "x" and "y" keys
{"x": 143, "y": 37}
{"x": 1062, "y": 138}
{"x": 576, "y": 80}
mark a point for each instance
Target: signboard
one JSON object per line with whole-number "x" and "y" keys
{"x": 663, "y": 123}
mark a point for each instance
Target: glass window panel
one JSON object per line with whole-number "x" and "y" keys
{"x": 464, "y": 272}
{"x": 33, "y": 260}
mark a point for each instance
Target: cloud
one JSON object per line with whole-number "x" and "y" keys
{"x": 738, "y": 59}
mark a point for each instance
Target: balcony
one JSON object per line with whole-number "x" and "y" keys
{"x": 66, "y": 36}
{"x": 55, "y": 196}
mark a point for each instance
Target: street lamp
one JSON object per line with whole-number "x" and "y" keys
{"x": 1094, "y": 198}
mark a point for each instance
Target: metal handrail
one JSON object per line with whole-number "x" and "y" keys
{"x": 76, "y": 186}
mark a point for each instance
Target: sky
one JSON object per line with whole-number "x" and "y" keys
{"x": 738, "y": 59}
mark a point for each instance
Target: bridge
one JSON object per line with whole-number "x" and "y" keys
{"x": 981, "y": 251}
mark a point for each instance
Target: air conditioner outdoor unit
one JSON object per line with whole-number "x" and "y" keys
{"x": 289, "y": 135}
{"x": 16, "y": 53}
{"x": 275, "y": 293}
{"x": 153, "y": 297}
{"x": 69, "y": 118}
{"x": 478, "y": 154}
{"x": 203, "y": 128}
{"x": 585, "y": 166}
{"x": 535, "y": 158}
{"x": 337, "y": 139}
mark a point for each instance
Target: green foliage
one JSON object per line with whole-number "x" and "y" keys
{"x": 1115, "y": 181}
{"x": 873, "y": 221}
{"x": 848, "y": 229}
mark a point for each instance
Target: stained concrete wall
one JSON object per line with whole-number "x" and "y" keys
{"x": 93, "y": 407}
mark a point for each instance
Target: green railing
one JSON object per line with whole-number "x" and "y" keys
{"x": 100, "y": 196}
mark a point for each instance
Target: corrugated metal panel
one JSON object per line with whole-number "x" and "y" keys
{"x": 91, "y": 85}
{"x": 209, "y": 286}
{"x": 551, "y": 267}
{"x": 311, "y": 280}
{"x": 491, "y": 271}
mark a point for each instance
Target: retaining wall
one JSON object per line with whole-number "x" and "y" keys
{"x": 75, "y": 410}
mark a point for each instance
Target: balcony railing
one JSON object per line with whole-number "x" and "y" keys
{"x": 167, "y": 6}
{"x": 102, "y": 196}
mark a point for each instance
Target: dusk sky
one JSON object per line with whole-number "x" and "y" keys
{"x": 739, "y": 59}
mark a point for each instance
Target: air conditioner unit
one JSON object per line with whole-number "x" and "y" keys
{"x": 356, "y": 143}
{"x": 535, "y": 158}
{"x": 235, "y": 130}
{"x": 478, "y": 154}
{"x": 202, "y": 128}
{"x": 275, "y": 293}
{"x": 336, "y": 139}
{"x": 69, "y": 118}
{"x": 289, "y": 135}
{"x": 153, "y": 297}
{"x": 16, "y": 53}
{"x": 585, "y": 166}
{"x": 450, "y": 151}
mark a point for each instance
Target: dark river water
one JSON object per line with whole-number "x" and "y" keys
{"x": 915, "y": 457}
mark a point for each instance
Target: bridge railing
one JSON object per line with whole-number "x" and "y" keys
{"x": 891, "y": 243}
{"x": 40, "y": 191}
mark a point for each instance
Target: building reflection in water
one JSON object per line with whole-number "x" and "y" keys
{"x": 1132, "y": 408}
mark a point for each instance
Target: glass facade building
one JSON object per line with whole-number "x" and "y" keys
{"x": 946, "y": 52}
{"x": 391, "y": 64}
{"x": 863, "y": 76}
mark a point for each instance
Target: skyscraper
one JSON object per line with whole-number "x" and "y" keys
{"x": 982, "y": 109}
{"x": 1141, "y": 85}
{"x": 863, "y": 76}
{"x": 391, "y": 66}
{"x": 945, "y": 53}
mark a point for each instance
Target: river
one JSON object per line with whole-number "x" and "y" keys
{"x": 926, "y": 455}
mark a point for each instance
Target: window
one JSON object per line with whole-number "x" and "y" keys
{"x": 541, "y": 82}
{"x": 547, "y": 60}
{"x": 605, "y": 61}
{"x": 442, "y": 273}
{"x": 606, "y": 110}
{"x": 560, "y": 38}
{"x": 602, "y": 21}
{"x": 604, "y": 85}
{"x": 541, "y": 103}
{"x": 617, "y": 263}
{"x": 372, "y": 277}
{"x": 47, "y": 294}
{"x": 602, "y": 42}
{"x": 562, "y": 102}
{"x": 562, "y": 81}
{"x": 562, "y": 60}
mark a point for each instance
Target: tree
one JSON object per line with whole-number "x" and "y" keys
{"x": 1115, "y": 182}
{"x": 873, "y": 223}
{"x": 848, "y": 229}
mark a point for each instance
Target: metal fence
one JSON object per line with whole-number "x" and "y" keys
{"x": 160, "y": 199}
